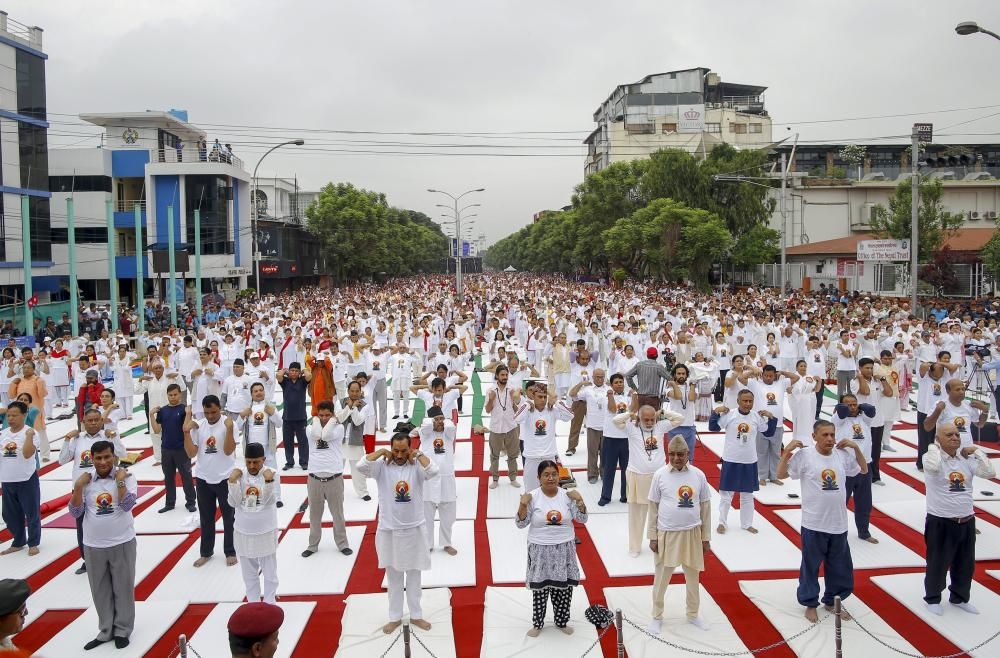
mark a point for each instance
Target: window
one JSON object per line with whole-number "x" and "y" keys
{"x": 41, "y": 225}
{"x": 30, "y": 71}
{"x": 3, "y": 232}
{"x": 669, "y": 128}
{"x": 84, "y": 235}
{"x": 756, "y": 128}
{"x": 738, "y": 128}
{"x": 34, "y": 151}
{"x": 211, "y": 194}
{"x": 80, "y": 184}
{"x": 713, "y": 127}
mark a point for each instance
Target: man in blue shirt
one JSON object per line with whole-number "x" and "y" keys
{"x": 293, "y": 386}
{"x": 169, "y": 422}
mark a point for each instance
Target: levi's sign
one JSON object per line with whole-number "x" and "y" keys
{"x": 887, "y": 250}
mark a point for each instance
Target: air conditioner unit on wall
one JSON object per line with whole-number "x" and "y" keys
{"x": 972, "y": 215}
{"x": 992, "y": 214}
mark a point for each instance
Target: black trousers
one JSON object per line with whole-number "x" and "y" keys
{"x": 951, "y": 548}
{"x": 210, "y": 495}
{"x": 924, "y": 439}
{"x": 290, "y": 430}
{"x": 720, "y": 386}
{"x": 79, "y": 535}
{"x": 819, "y": 400}
{"x": 174, "y": 460}
{"x": 877, "y": 434}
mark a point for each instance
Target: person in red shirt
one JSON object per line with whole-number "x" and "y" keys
{"x": 89, "y": 394}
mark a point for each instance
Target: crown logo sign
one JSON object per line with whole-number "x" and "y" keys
{"x": 692, "y": 114}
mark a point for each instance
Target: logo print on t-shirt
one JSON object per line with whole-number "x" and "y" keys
{"x": 685, "y": 496}
{"x": 621, "y": 407}
{"x": 375, "y": 365}
{"x": 322, "y": 444}
{"x": 85, "y": 460}
{"x": 402, "y": 491}
{"x": 828, "y": 480}
{"x": 553, "y": 517}
{"x": 253, "y": 491}
{"x": 650, "y": 443}
{"x": 258, "y": 418}
{"x": 540, "y": 426}
{"x": 104, "y": 504}
{"x": 743, "y": 431}
{"x": 956, "y": 481}
{"x": 959, "y": 424}
{"x": 856, "y": 428}
{"x": 894, "y": 376}
{"x": 438, "y": 445}
{"x": 210, "y": 448}
{"x": 937, "y": 389}
{"x": 816, "y": 358}
{"x": 771, "y": 400}
{"x": 10, "y": 449}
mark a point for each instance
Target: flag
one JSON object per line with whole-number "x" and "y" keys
{"x": 33, "y": 301}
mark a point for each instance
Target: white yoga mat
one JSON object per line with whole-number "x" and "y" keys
{"x": 983, "y": 489}
{"x": 739, "y": 550}
{"x": 212, "y": 638}
{"x": 152, "y": 620}
{"x": 902, "y": 451}
{"x": 451, "y": 570}
{"x": 776, "y": 599}
{"x": 362, "y": 635}
{"x": 959, "y": 627}
{"x": 324, "y": 572}
{"x": 507, "y": 618}
{"x": 914, "y": 516}
{"x": 888, "y": 553}
{"x": 55, "y": 543}
{"x": 609, "y": 533}
{"x": 636, "y": 605}
{"x": 355, "y": 509}
{"x": 177, "y": 520}
{"x": 63, "y": 472}
{"x": 210, "y": 583}
{"x": 509, "y": 551}
{"x": 137, "y": 441}
{"x": 464, "y": 429}
{"x": 467, "y": 489}
{"x": 776, "y": 494}
{"x": 592, "y": 493}
{"x": 69, "y": 591}
{"x": 894, "y": 490}
{"x": 502, "y": 502}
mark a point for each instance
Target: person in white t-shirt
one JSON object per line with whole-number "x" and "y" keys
{"x": 823, "y": 470}
{"x": 252, "y": 495}
{"x": 853, "y": 420}
{"x": 739, "y": 458}
{"x": 441, "y": 492}
{"x": 326, "y": 477}
{"x": 958, "y": 412}
{"x": 401, "y": 474}
{"x": 679, "y": 530}
{"x": 950, "y": 530}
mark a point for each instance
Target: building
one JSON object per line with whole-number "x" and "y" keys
{"x": 692, "y": 109}
{"x": 830, "y": 201}
{"x": 24, "y": 173}
{"x": 158, "y": 163}
{"x": 290, "y": 256}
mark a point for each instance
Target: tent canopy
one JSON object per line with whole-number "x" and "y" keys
{"x": 510, "y": 268}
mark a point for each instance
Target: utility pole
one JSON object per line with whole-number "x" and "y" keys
{"x": 197, "y": 261}
{"x": 112, "y": 265}
{"x": 29, "y": 326}
{"x": 172, "y": 286}
{"x": 74, "y": 293}
{"x": 140, "y": 257}
{"x": 784, "y": 223}
{"x": 914, "y": 216}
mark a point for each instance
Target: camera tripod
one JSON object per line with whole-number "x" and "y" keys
{"x": 978, "y": 376}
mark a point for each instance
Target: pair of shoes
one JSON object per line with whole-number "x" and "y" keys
{"x": 603, "y": 501}
{"x": 304, "y": 467}
{"x": 879, "y": 483}
{"x": 307, "y": 553}
{"x": 366, "y": 498}
{"x": 279, "y": 504}
{"x": 82, "y": 569}
{"x": 164, "y": 509}
{"x": 346, "y": 551}
{"x": 93, "y": 644}
{"x": 288, "y": 467}
{"x": 623, "y": 499}
{"x": 304, "y": 506}
{"x": 592, "y": 480}
{"x": 191, "y": 507}
{"x": 121, "y": 642}
{"x": 570, "y": 452}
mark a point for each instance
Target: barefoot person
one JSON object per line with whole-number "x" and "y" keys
{"x": 211, "y": 441}
{"x": 252, "y": 495}
{"x": 739, "y": 458}
{"x": 22, "y": 494}
{"x": 680, "y": 527}
{"x": 823, "y": 471}
{"x": 548, "y": 512}
{"x": 400, "y": 473}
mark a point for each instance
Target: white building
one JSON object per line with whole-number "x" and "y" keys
{"x": 160, "y": 164}
{"x": 692, "y": 110}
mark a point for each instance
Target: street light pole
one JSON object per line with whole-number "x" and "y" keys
{"x": 914, "y": 217}
{"x": 255, "y": 257}
{"x": 458, "y": 233}
{"x": 971, "y": 27}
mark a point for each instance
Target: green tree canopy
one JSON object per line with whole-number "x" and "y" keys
{"x": 934, "y": 223}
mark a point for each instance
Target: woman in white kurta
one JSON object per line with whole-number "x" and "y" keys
{"x": 123, "y": 382}
{"x": 59, "y": 374}
{"x": 802, "y": 400}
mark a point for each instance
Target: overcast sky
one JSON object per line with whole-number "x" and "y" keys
{"x": 517, "y": 67}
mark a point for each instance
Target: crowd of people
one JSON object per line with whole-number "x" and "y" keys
{"x": 633, "y": 368}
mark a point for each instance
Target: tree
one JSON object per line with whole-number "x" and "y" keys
{"x": 600, "y": 200}
{"x": 761, "y": 244}
{"x": 940, "y": 272}
{"x": 991, "y": 255}
{"x": 669, "y": 240}
{"x": 934, "y": 223}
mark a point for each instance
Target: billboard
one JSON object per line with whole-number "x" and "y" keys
{"x": 691, "y": 118}
{"x": 883, "y": 250}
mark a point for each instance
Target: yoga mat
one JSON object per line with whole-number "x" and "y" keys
{"x": 509, "y": 551}
{"x": 887, "y": 554}
{"x": 739, "y": 550}
{"x": 507, "y": 618}
{"x": 610, "y": 535}
{"x": 210, "y": 583}
{"x": 983, "y": 489}
{"x": 54, "y": 544}
{"x": 212, "y": 638}
{"x": 152, "y": 620}
{"x": 301, "y": 576}
{"x": 365, "y": 614}
{"x": 451, "y": 570}
{"x": 914, "y": 516}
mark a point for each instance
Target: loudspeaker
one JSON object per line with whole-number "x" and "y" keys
{"x": 987, "y": 433}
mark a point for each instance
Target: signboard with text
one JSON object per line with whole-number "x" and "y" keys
{"x": 883, "y": 250}
{"x": 690, "y": 118}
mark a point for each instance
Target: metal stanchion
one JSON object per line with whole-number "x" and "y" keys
{"x": 619, "y": 628}
{"x": 838, "y": 638}
{"x": 182, "y": 644}
{"x": 406, "y": 640}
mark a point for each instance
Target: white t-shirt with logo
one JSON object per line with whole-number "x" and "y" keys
{"x": 326, "y": 454}
{"x": 963, "y": 416}
{"x": 538, "y": 429}
{"x": 257, "y": 513}
{"x": 551, "y": 518}
{"x": 856, "y": 428}
{"x": 14, "y": 467}
{"x": 646, "y": 449}
{"x": 77, "y": 451}
{"x": 770, "y": 397}
{"x": 741, "y": 436}
{"x": 823, "y": 478}
{"x": 679, "y": 495}
{"x": 107, "y": 524}
{"x": 400, "y": 491}
{"x": 212, "y": 463}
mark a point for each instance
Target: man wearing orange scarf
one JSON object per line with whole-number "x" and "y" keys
{"x": 321, "y": 386}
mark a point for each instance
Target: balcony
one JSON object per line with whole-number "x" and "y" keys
{"x": 124, "y": 211}
{"x": 193, "y": 155}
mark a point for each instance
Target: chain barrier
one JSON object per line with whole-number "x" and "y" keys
{"x": 182, "y": 648}
{"x": 392, "y": 644}
{"x": 421, "y": 643}
{"x": 600, "y": 636}
{"x": 748, "y": 652}
{"x": 967, "y": 652}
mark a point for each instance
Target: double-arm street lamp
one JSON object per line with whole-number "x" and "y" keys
{"x": 458, "y": 230}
